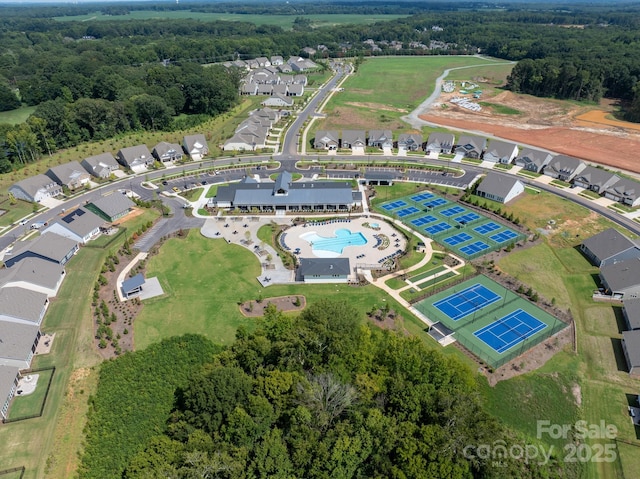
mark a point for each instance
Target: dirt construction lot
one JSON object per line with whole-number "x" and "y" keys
{"x": 564, "y": 127}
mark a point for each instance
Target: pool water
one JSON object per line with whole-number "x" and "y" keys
{"x": 336, "y": 245}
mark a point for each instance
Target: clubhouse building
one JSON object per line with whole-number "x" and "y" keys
{"x": 285, "y": 195}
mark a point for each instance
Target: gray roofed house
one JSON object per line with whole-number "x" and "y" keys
{"x": 324, "y": 270}
{"x": 631, "y": 312}
{"x": 264, "y": 89}
{"x": 621, "y": 279}
{"x": 624, "y": 191}
{"x": 299, "y": 80}
{"x": 196, "y": 146}
{"x": 595, "y": 179}
{"x": 276, "y": 60}
{"x": 8, "y": 384}
{"x": 80, "y": 225}
{"x": 36, "y": 274}
{"x": 165, "y": 151}
{"x": 295, "y": 89}
{"x": 501, "y": 188}
{"x": 72, "y": 175}
{"x": 101, "y": 166}
{"x": 376, "y": 177}
{"x": 132, "y": 286}
{"x": 564, "y": 168}
{"x": 410, "y": 141}
{"x": 440, "y": 143}
{"x": 471, "y": 146}
{"x": 249, "y": 88}
{"x": 609, "y": 246}
{"x": 263, "y": 61}
{"x": 631, "y": 347}
{"x": 137, "y": 158}
{"x": 380, "y": 138}
{"x": 35, "y": 188}
{"x": 18, "y": 344}
{"x": 285, "y": 68}
{"x": 533, "y": 160}
{"x": 281, "y": 88}
{"x": 248, "y": 137}
{"x": 111, "y": 207}
{"x": 353, "y": 139}
{"x": 326, "y": 140}
{"x": 51, "y": 247}
{"x": 278, "y": 100}
{"x": 23, "y": 306}
{"x": 500, "y": 151}
{"x": 284, "y": 195}
{"x": 299, "y": 64}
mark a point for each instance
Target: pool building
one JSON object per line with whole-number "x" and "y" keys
{"x": 285, "y": 195}
{"x": 324, "y": 270}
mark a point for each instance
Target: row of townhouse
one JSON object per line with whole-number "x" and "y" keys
{"x": 252, "y": 134}
{"x": 618, "y": 259}
{"x": 75, "y": 174}
{"x": 560, "y": 167}
{"x": 293, "y": 64}
{"x": 31, "y": 277}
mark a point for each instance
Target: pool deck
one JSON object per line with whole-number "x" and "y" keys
{"x": 370, "y": 253}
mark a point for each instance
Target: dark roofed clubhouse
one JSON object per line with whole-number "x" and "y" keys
{"x": 285, "y": 195}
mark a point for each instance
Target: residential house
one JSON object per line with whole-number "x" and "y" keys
{"x": 631, "y": 313}
{"x": 249, "y": 88}
{"x": 18, "y": 343}
{"x": 309, "y": 51}
{"x": 595, "y": 179}
{"x": 165, "y": 151}
{"x": 280, "y": 88}
{"x": 533, "y": 160}
{"x": 564, "y": 168}
{"x": 621, "y": 279}
{"x": 51, "y": 247}
{"x": 285, "y": 195}
{"x": 111, "y": 207}
{"x": 276, "y": 60}
{"x": 353, "y": 139}
{"x": 80, "y": 225}
{"x": 35, "y": 189}
{"x": 133, "y": 286}
{"x": 252, "y": 64}
{"x": 440, "y": 143}
{"x": 263, "y": 62}
{"x": 101, "y": 166}
{"x": 631, "y": 348}
{"x": 248, "y": 137}
{"x": 499, "y": 187}
{"x": 22, "y": 306}
{"x": 608, "y": 247}
{"x": 500, "y": 152}
{"x": 299, "y": 80}
{"x": 471, "y": 146}
{"x": 380, "y": 139}
{"x": 295, "y": 89}
{"x": 264, "y": 89}
{"x": 410, "y": 141}
{"x": 324, "y": 270}
{"x": 299, "y": 64}
{"x": 196, "y": 146}
{"x": 35, "y": 274}
{"x": 9, "y": 376}
{"x": 72, "y": 175}
{"x": 326, "y": 140}
{"x": 624, "y": 191}
{"x": 285, "y": 68}
{"x": 137, "y": 158}
{"x": 278, "y": 100}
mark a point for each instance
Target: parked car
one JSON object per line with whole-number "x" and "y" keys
{"x": 176, "y": 189}
{"x": 38, "y": 224}
{"x": 165, "y": 183}
{"x": 23, "y": 222}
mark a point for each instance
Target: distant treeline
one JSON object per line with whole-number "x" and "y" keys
{"x": 91, "y": 80}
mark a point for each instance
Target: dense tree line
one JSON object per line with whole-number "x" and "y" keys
{"x": 316, "y": 396}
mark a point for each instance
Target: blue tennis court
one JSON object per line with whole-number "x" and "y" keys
{"x": 503, "y": 236}
{"x": 394, "y": 205}
{"x": 457, "y": 239}
{"x": 435, "y": 229}
{"x": 407, "y": 211}
{"x": 423, "y": 220}
{"x": 474, "y": 248}
{"x": 422, "y": 196}
{"x": 506, "y": 332}
{"x": 452, "y": 211}
{"x": 435, "y": 202}
{"x": 467, "y": 301}
{"x": 487, "y": 228}
{"x": 468, "y": 218}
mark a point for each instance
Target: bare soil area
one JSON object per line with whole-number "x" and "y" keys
{"x": 550, "y": 124}
{"x": 255, "y": 309}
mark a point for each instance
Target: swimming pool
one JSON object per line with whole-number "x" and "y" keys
{"x": 332, "y": 247}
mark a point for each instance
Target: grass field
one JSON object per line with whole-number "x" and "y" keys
{"x": 500, "y": 109}
{"x": 31, "y": 405}
{"x": 386, "y": 88}
{"x": 19, "y": 115}
{"x": 284, "y": 21}
{"x": 495, "y": 75}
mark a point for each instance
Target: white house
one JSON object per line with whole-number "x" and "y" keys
{"x": 500, "y": 188}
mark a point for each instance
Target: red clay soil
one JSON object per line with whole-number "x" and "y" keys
{"x": 620, "y": 153}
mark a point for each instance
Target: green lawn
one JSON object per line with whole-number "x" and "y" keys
{"x": 386, "y": 88}
{"x": 284, "y": 21}
{"x": 25, "y": 406}
{"x": 500, "y": 109}
{"x": 395, "y": 283}
{"x": 19, "y": 115}
{"x": 496, "y": 75}
{"x": 14, "y": 213}
{"x": 192, "y": 194}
